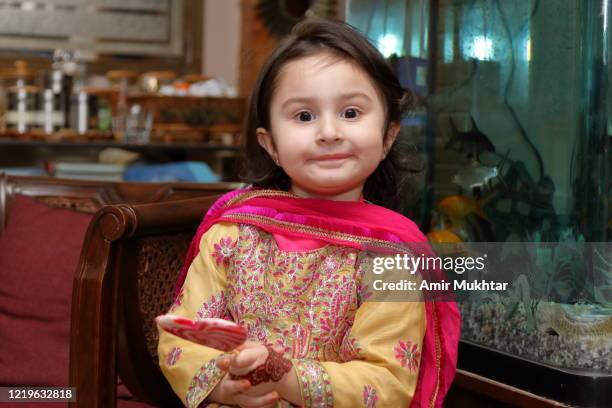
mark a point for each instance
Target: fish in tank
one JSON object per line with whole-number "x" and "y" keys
{"x": 515, "y": 123}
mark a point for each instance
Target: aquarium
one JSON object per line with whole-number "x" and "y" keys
{"x": 515, "y": 122}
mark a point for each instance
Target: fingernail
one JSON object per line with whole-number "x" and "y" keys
{"x": 245, "y": 384}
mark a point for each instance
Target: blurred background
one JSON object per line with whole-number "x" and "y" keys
{"x": 513, "y": 112}
{"x": 510, "y": 134}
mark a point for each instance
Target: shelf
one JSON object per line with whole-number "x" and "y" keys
{"x": 80, "y": 144}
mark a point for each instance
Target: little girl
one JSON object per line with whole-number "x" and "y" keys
{"x": 286, "y": 258}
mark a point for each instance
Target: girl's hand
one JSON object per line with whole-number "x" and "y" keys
{"x": 240, "y": 392}
{"x": 287, "y": 388}
{"x": 250, "y": 355}
{"x": 227, "y": 390}
{"x": 232, "y": 392}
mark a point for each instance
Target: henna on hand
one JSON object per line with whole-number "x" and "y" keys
{"x": 273, "y": 369}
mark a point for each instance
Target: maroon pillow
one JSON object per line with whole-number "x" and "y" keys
{"x": 39, "y": 252}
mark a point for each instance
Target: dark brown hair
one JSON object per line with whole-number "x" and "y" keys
{"x": 310, "y": 37}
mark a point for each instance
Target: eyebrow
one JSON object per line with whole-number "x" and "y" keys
{"x": 344, "y": 96}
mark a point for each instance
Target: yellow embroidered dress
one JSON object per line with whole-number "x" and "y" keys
{"x": 346, "y": 351}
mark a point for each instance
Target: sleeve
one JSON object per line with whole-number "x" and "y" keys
{"x": 190, "y": 368}
{"x": 382, "y": 351}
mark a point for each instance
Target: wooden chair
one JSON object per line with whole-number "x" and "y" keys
{"x": 126, "y": 276}
{"x": 91, "y": 196}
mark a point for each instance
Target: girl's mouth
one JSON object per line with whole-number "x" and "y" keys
{"x": 331, "y": 157}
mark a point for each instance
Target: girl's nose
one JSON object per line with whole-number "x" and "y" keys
{"x": 328, "y": 131}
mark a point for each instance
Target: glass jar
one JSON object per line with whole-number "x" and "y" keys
{"x": 51, "y": 117}
{"x": 153, "y": 81}
{"x": 60, "y": 86}
{"x": 22, "y": 98}
{"x": 22, "y": 108}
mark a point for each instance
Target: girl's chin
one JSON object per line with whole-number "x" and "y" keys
{"x": 326, "y": 189}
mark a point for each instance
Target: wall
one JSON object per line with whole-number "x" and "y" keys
{"x": 222, "y": 39}
{"x": 236, "y": 42}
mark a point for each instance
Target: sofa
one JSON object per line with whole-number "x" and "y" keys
{"x": 48, "y": 253}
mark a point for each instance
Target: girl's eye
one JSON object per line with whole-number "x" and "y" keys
{"x": 304, "y": 116}
{"x": 350, "y": 113}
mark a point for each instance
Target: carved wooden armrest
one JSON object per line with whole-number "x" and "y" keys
{"x": 109, "y": 324}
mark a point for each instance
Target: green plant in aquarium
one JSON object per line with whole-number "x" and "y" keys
{"x": 555, "y": 271}
{"x": 602, "y": 274}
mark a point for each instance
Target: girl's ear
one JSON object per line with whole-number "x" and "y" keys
{"x": 390, "y": 136}
{"x": 265, "y": 140}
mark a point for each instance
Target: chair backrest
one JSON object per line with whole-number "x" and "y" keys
{"x": 151, "y": 263}
{"x": 91, "y": 196}
{"x": 127, "y": 272}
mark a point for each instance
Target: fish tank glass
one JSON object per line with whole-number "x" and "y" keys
{"x": 514, "y": 122}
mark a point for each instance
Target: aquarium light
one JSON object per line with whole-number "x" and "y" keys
{"x": 528, "y": 49}
{"x": 388, "y": 44}
{"x": 604, "y": 12}
{"x": 483, "y": 48}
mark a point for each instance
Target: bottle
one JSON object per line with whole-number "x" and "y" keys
{"x": 51, "y": 116}
{"x": 22, "y": 99}
{"x": 60, "y": 80}
{"x": 120, "y": 81}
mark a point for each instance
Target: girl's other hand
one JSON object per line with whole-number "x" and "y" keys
{"x": 228, "y": 363}
{"x": 250, "y": 355}
{"x": 240, "y": 392}
{"x": 232, "y": 392}
{"x": 227, "y": 390}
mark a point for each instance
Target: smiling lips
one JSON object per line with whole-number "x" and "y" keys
{"x": 332, "y": 157}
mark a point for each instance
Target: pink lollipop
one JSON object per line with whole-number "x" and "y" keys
{"x": 216, "y": 333}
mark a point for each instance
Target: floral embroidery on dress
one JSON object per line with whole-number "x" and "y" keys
{"x": 369, "y": 396}
{"x": 364, "y": 267}
{"x": 216, "y": 306}
{"x": 330, "y": 265}
{"x": 224, "y": 250}
{"x": 173, "y": 356}
{"x": 350, "y": 349}
{"x": 294, "y": 339}
{"x": 318, "y": 289}
{"x": 408, "y": 354}
{"x": 315, "y": 384}
{"x": 203, "y": 383}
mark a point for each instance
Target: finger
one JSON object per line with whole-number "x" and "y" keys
{"x": 233, "y": 365}
{"x": 247, "y": 401}
{"x": 223, "y": 363}
{"x": 247, "y": 360}
{"x": 261, "y": 389}
{"x": 241, "y": 369}
{"x": 236, "y": 387}
{"x": 272, "y": 405}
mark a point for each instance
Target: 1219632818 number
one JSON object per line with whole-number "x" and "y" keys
{"x": 13, "y": 394}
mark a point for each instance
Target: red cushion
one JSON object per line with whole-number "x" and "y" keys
{"x": 132, "y": 404}
{"x": 39, "y": 252}
{"x": 125, "y": 398}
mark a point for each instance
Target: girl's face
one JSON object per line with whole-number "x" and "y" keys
{"x": 326, "y": 127}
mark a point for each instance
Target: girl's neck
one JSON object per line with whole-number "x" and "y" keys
{"x": 355, "y": 194}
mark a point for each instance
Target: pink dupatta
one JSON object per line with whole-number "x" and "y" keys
{"x": 358, "y": 225}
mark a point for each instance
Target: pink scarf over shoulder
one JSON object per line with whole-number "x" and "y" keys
{"x": 358, "y": 225}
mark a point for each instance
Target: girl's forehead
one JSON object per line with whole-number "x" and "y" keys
{"x": 323, "y": 72}
{"x": 323, "y": 63}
